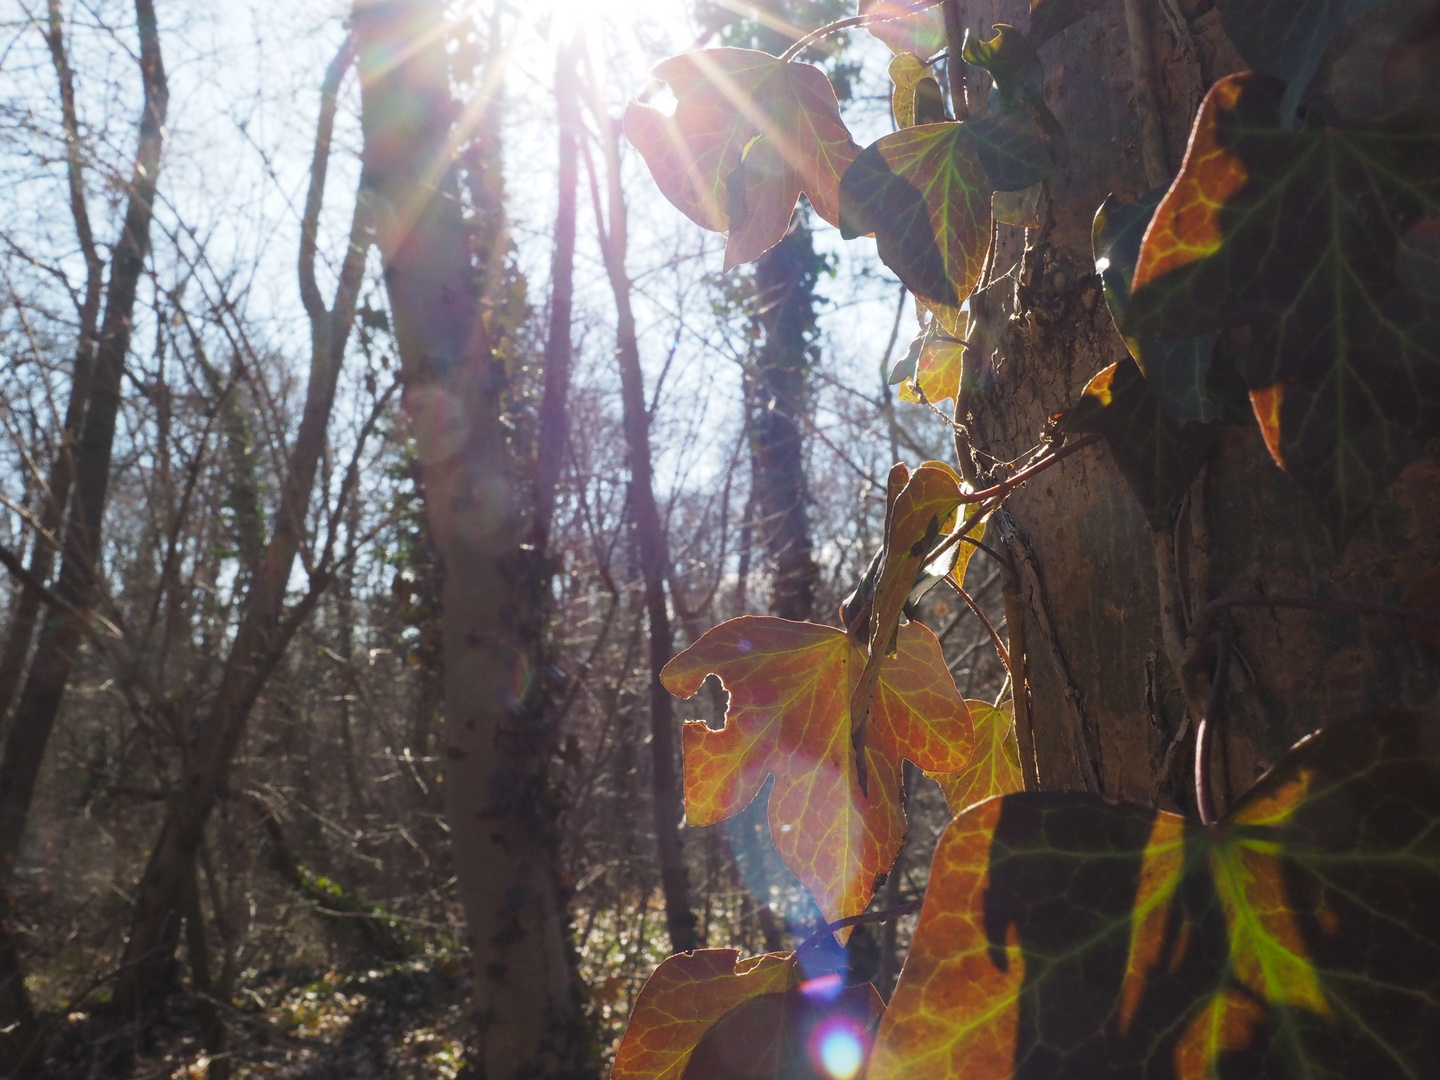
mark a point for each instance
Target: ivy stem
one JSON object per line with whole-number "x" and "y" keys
{"x": 854, "y": 20}
{"x": 1204, "y": 793}
{"x": 856, "y": 920}
{"x": 1000, "y": 649}
{"x": 1208, "y": 613}
{"x": 1007, "y": 486}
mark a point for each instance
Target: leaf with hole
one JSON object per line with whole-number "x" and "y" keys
{"x": 748, "y": 136}
{"x": 925, "y": 196}
{"x": 1065, "y": 936}
{"x": 790, "y": 686}
{"x": 1294, "y": 235}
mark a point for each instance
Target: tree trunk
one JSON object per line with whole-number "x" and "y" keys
{"x": 266, "y": 626}
{"x": 497, "y": 743}
{"x": 62, "y": 628}
{"x": 62, "y": 470}
{"x": 777, "y": 408}
{"x": 667, "y": 800}
{"x": 1106, "y": 628}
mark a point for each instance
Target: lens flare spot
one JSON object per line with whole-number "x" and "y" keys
{"x": 823, "y": 987}
{"x": 841, "y": 1051}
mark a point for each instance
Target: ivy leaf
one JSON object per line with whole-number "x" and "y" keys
{"x": 903, "y": 30}
{"x": 817, "y": 1030}
{"x": 924, "y": 194}
{"x": 1175, "y": 369}
{"x": 994, "y": 768}
{"x": 1050, "y": 17}
{"x": 937, "y": 365}
{"x": 1019, "y": 141}
{"x": 1287, "y": 38}
{"x": 1295, "y": 234}
{"x": 683, "y": 998}
{"x": 790, "y": 685}
{"x": 1422, "y": 594}
{"x": 1018, "y": 207}
{"x": 915, "y": 97}
{"x": 748, "y": 136}
{"x": 1158, "y": 457}
{"x": 1066, "y": 936}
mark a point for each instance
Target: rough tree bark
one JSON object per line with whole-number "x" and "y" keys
{"x": 62, "y": 627}
{"x": 667, "y": 800}
{"x": 266, "y": 625}
{"x": 777, "y": 409}
{"x": 496, "y": 742}
{"x": 1104, "y": 643}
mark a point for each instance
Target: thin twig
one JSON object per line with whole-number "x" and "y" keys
{"x": 1000, "y": 649}
{"x": 854, "y": 20}
{"x": 857, "y": 920}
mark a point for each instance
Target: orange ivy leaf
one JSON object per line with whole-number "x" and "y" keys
{"x": 687, "y": 994}
{"x": 790, "y": 685}
{"x": 994, "y": 768}
{"x": 748, "y": 136}
{"x": 917, "y": 517}
{"x": 1066, "y": 936}
{"x": 818, "y": 1030}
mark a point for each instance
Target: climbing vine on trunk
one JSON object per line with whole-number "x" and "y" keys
{"x": 1284, "y": 277}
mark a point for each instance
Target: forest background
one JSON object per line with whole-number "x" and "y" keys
{"x": 375, "y": 438}
{"x": 323, "y": 930}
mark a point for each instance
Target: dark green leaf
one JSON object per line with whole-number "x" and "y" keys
{"x": 1296, "y": 235}
{"x": 1065, "y": 937}
{"x": 925, "y": 196}
{"x": 1287, "y": 38}
{"x": 1158, "y": 457}
{"x": 1013, "y": 147}
{"x": 1175, "y": 369}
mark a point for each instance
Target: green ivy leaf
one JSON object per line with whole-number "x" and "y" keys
{"x": 1295, "y": 236}
{"x": 925, "y": 196}
{"x": 1064, "y": 936}
{"x": 1158, "y": 457}
{"x": 1019, "y": 141}
{"x": 1175, "y": 369}
{"x": 1287, "y": 38}
{"x": 916, "y": 97}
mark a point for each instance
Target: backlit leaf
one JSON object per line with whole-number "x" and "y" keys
{"x": 1295, "y": 235}
{"x": 1423, "y": 594}
{"x": 938, "y": 363}
{"x": 748, "y": 136}
{"x": 1018, "y": 207}
{"x": 994, "y": 768}
{"x": 790, "y": 686}
{"x": 1064, "y": 936}
{"x": 818, "y": 1030}
{"x": 1287, "y": 38}
{"x": 1158, "y": 457}
{"x": 1175, "y": 369}
{"x": 687, "y": 994}
{"x": 924, "y": 194}
{"x": 921, "y": 33}
{"x": 915, "y": 97}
